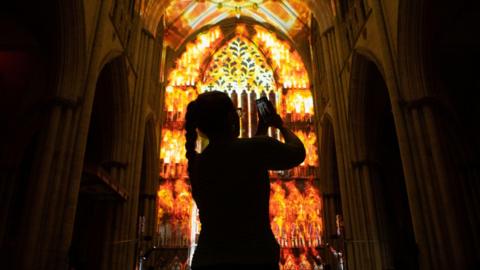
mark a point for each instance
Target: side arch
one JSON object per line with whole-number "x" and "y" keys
{"x": 378, "y": 168}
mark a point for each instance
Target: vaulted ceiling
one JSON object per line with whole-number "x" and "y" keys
{"x": 184, "y": 17}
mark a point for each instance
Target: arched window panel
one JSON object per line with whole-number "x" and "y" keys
{"x": 188, "y": 66}
{"x": 287, "y": 63}
{"x": 295, "y": 216}
{"x": 174, "y": 213}
{"x": 239, "y": 66}
{"x": 176, "y": 101}
{"x": 253, "y": 63}
{"x": 172, "y": 154}
{"x": 298, "y": 105}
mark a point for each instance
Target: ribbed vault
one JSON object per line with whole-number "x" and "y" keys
{"x": 184, "y": 17}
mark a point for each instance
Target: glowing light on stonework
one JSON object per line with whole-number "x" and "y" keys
{"x": 309, "y": 139}
{"x": 288, "y": 65}
{"x": 299, "y": 105}
{"x": 295, "y": 216}
{"x": 239, "y": 66}
{"x": 174, "y": 207}
{"x": 188, "y": 68}
{"x": 172, "y": 154}
{"x": 245, "y": 68}
{"x": 237, "y": 3}
{"x": 176, "y": 101}
{"x": 184, "y": 17}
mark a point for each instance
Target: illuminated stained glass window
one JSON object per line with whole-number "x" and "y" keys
{"x": 239, "y": 66}
{"x": 287, "y": 63}
{"x": 251, "y": 64}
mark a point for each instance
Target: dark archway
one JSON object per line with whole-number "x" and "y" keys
{"x": 438, "y": 52}
{"x": 330, "y": 186}
{"x": 147, "y": 217}
{"x": 389, "y": 185}
{"x": 99, "y": 191}
{"x": 378, "y": 151}
{"x": 452, "y": 56}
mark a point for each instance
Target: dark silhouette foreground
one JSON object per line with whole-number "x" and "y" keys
{"x": 231, "y": 187}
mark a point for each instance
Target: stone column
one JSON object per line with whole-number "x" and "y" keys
{"x": 356, "y": 255}
{"x": 446, "y": 244}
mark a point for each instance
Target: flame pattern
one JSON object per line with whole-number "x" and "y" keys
{"x": 172, "y": 154}
{"x": 300, "y": 224}
{"x": 309, "y": 139}
{"x": 299, "y": 105}
{"x": 289, "y": 65}
{"x": 175, "y": 204}
{"x": 189, "y": 65}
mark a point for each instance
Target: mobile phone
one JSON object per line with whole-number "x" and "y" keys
{"x": 265, "y": 109}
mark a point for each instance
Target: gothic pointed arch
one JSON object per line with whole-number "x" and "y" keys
{"x": 246, "y": 62}
{"x": 241, "y": 65}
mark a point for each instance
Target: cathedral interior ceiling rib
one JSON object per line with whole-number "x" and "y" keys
{"x": 185, "y": 17}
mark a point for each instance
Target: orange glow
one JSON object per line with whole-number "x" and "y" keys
{"x": 304, "y": 264}
{"x": 300, "y": 259}
{"x": 241, "y": 30}
{"x": 183, "y": 205}
{"x": 288, "y": 65}
{"x": 299, "y": 105}
{"x": 290, "y": 261}
{"x": 309, "y": 139}
{"x": 189, "y": 64}
{"x": 245, "y": 68}
{"x": 184, "y": 17}
{"x": 165, "y": 200}
{"x": 174, "y": 201}
{"x": 299, "y": 224}
{"x": 239, "y": 66}
{"x": 176, "y": 101}
{"x": 172, "y": 154}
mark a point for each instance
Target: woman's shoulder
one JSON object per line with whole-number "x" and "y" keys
{"x": 255, "y": 143}
{"x": 256, "y": 140}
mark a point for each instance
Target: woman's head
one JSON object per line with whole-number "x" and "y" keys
{"x": 214, "y": 115}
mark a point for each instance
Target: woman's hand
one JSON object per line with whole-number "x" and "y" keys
{"x": 276, "y": 121}
{"x": 262, "y": 128}
{"x": 263, "y": 125}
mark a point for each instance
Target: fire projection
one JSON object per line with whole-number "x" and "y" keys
{"x": 240, "y": 68}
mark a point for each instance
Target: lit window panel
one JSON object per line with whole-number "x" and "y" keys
{"x": 174, "y": 207}
{"x": 188, "y": 66}
{"x": 296, "y": 220}
{"x": 288, "y": 65}
{"x": 298, "y": 105}
{"x": 249, "y": 65}
{"x": 176, "y": 101}
{"x": 239, "y": 66}
{"x": 172, "y": 154}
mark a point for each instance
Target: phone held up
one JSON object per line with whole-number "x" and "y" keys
{"x": 265, "y": 109}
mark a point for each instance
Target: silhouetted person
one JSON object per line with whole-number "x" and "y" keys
{"x": 231, "y": 187}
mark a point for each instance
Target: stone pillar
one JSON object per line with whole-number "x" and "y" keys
{"x": 340, "y": 141}
{"x": 50, "y": 162}
{"x": 56, "y": 253}
{"x": 125, "y": 238}
{"x": 446, "y": 237}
